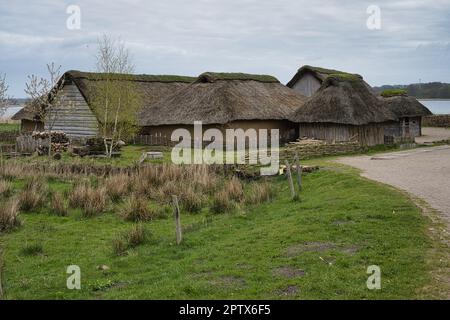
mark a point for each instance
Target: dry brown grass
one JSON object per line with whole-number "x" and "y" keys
{"x": 132, "y": 238}
{"x": 91, "y": 200}
{"x": 5, "y": 188}
{"x": 57, "y": 205}
{"x": 95, "y": 202}
{"x": 78, "y": 194}
{"x": 191, "y": 200}
{"x": 222, "y": 203}
{"x": 118, "y": 186}
{"x": 234, "y": 189}
{"x": 34, "y": 194}
{"x": 9, "y": 215}
{"x": 136, "y": 208}
{"x": 260, "y": 192}
{"x": 10, "y": 170}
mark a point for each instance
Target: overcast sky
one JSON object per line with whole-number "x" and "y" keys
{"x": 256, "y": 36}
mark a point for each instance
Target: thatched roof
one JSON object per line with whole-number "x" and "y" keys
{"x": 320, "y": 73}
{"x": 343, "y": 100}
{"x": 218, "y": 98}
{"x": 405, "y": 106}
{"x": 152, "y": 87}
{"x": 25, "y": 113}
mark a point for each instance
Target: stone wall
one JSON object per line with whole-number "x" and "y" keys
{"x": 436, "y": 120}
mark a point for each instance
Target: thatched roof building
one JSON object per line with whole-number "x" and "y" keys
{"x": 308, "y": 79}
{"x": 409, "y": 112}
{"x": 225, "y": 100}
{"x": 405, "y": 106}
{"x": 79, "y": 91}
{"x": 344, "y": 108}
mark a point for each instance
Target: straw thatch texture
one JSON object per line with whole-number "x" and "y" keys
{"x": 405, "y": 106}
{"x": 152, "y": 87}
{"x": 219, "y": 98}
{"x": 343, "y": 100}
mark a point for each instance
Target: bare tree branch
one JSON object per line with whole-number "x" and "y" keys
{"x": 116, "y": 100}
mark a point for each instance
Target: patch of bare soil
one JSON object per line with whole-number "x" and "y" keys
{"x": 289, "y": 272}
{"x": 228, "y": 281}
{"x": 288, "y": 291}
{"x": 297, "y": 249}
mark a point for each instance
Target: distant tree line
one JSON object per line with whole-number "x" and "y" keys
{"x": 432, "y": 90}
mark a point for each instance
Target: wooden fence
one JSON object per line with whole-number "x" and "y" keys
{"x": 9, "y": 136}
{"x": 153, "y": 140}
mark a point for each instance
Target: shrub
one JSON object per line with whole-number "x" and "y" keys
{"x": 32, "y": 249}
{"x": 33, "y": 195}
{"x": 57, "y": 205}
{"x": 9, "y": 215}
{"x": 136, "y": 209}
{"x": 5, "y": 188}
{"x": 117, "y": 186}
{"x": 259, "y": 193}
{"x": 134, "y": 237}
{"x": 222, "y": 203}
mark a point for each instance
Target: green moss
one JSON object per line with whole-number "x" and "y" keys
{"x": 394, "y": 93}
{"x": 130, "y": 77}
{"x": 213, "y": 76}
{"x": 343, "y": 76}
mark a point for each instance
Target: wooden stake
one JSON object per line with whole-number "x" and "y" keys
{"x": 289, "y": 175}
{"x": 176, "y": 214}
{"x": 299, "y": 172}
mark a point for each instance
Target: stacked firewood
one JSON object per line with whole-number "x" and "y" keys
{"x": 93, "y": 146}
{"x": 60, "y": 141}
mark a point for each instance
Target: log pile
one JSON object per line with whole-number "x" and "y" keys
{"x": 94, "y": 147}
{"x": 60, "y": 141}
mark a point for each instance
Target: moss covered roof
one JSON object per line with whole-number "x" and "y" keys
{"x": 92, "y": 76}
{"x": 394, "y": 93}
{"x": 218, "y": 76}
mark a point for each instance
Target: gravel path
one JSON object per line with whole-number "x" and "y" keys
{"x": 430, "y": 134}
{"x": 424, "y": 172}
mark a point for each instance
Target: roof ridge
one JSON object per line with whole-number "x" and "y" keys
{"x": 235, "y": 76}
{"x": 96, "y": 76}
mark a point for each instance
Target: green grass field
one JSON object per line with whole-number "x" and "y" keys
{"x": 8, "y": 127}
{"x": 318, "y": 248}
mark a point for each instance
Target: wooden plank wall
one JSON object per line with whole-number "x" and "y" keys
{"x": 367, "y": 135}
{"x": 72, "y": 114}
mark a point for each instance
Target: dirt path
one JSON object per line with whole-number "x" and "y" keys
{"x": 423, "y": 172}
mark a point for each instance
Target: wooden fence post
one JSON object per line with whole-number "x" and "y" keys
{"x": 291, "y": 183}
{"x": 299, "y": 172}
{"x": 176, "y": 213}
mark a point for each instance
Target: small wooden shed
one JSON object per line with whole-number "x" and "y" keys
{"x": 409, "y": 112}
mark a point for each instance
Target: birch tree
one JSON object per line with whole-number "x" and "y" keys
{"x": 4, "y": 98}
{"x": 45, "y": 94}
{"x": 116, "y": 99}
